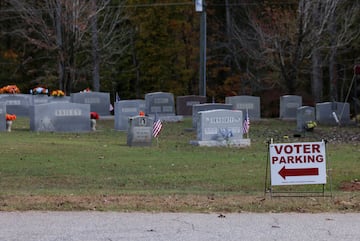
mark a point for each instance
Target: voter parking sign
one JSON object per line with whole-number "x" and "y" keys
{"x": 297, "y": 163}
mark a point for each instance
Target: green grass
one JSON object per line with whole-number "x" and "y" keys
{"x": 40, "y": 164}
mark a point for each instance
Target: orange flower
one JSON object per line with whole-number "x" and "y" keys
{"x": 57, "y": 93}
{"x": 10, "y": 89}
{"x": 10, "y": 117}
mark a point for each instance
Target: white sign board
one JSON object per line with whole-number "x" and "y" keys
{"x": 198, "y": 5}
{"x": 297, "y": 163}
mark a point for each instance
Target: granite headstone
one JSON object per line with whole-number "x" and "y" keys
{"x": 17, "y": 104}
{"x": 289, "y": 105}
{"x": 59, "y": 99}
{"x": 2, "y": 116}
{"x": 204, "y": 107}
{"x": 125, "y": 109}
{"x": 329, "y": 113}
{"x": 40, "y": 99}
{"x": 304, "y": 115}
{"x": 139, "y": 131}
{"x": 184, "y": 103}
{"x": 60, "y": 117}
{"x": 161, "y": 105}
{"x": 246, "y": 103}
{"x": 220, "y": 127}
{"x": 99, "y": 101}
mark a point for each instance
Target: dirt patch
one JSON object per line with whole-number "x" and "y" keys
{"x": 352, "y": 186}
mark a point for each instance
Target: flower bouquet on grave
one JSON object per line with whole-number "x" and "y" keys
{"x": 86, "y": 90}
{"x": 39, "y": 91}
{"x": 310, "y": 125}
{"x": 9, "y": 89}
{"x": 57, "y": 93}
{"x": 93, "y": 117}
{"x": 9, "y": 120}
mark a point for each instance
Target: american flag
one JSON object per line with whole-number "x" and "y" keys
{"x": 157, "y": 126}
{"x": 246, "y": 125}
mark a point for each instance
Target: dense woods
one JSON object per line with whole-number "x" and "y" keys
{"x": 264, "y": 48}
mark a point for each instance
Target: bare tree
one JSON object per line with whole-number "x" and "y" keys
{"x": 70, "y": 30}
{"x": 284, "y": 39}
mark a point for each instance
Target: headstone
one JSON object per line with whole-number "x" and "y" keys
{"x": 125, "y": 109}
{"x": 162, "y": 105}
{"x": 184, "y": 103}
{"x": 17, "y": 104}
{"x": 204, "y": 107}
{"x": 304, "y": 115}
{"x": 289, "y": 105}
{"x": 40, "y": 99}
{"x": 220, "y": 127}
{"x": 59, "y": 99}
{"x": 246, "y": 103}
{"x": 2, "y": 116}
{"x": 60, "y": 117}
{"x": 99, "y": 101}
{"x": 329, "y": 112}
{"x": 139, "y": 131}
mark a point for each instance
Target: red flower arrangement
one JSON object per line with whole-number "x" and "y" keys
{"x": 94, "y": 115}
{"x": 10, "y": 117}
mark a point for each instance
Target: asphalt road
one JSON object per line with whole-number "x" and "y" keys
{"x": 111, "y": 226}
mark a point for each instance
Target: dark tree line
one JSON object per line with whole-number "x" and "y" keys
{"x": 263, "y": 48}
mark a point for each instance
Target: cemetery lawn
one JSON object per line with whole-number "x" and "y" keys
{"x": 98, "y": 171}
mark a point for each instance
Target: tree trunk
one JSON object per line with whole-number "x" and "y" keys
{"x": 95, "y": 50}
{"x": 316, "y": 82}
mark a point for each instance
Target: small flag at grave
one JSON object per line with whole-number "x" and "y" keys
{"x": 246, "y": 125}
{"x": 157, "y": 126}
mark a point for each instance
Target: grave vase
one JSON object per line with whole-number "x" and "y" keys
{"x": 93, "y": 124}
{"x": 8, "y": 125}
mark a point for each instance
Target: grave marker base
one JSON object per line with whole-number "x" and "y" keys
{"x": 231, "y": 143}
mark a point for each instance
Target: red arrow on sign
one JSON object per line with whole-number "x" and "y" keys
{"x": 298, "y": 172}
